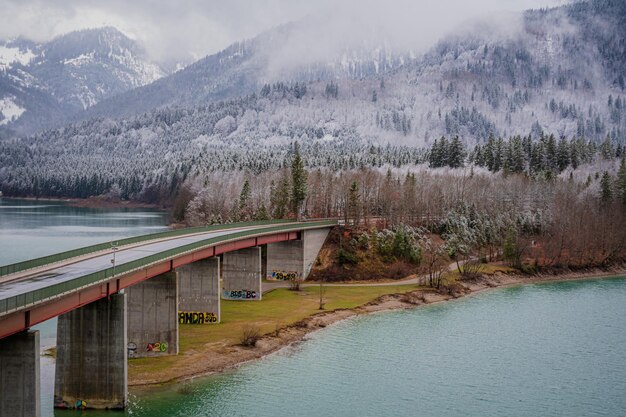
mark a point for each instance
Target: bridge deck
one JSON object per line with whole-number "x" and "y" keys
{"x": 35, "y": 279}
{"x": 24, "y": 290}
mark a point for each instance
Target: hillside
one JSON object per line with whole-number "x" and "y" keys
{"x": 42, "y": 84}
{"x": 558, "y": 71}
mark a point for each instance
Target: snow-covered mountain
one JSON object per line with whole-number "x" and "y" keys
{"x": 560, "y": 71}
{"x": 41, "y": 85}
{"x": 493, "y": 76}
{"x": 244, "y": 67}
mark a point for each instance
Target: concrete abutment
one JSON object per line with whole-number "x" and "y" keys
{"x": 294, "y": 259}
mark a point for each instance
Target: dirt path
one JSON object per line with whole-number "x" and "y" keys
{"x": 410, "y": 280}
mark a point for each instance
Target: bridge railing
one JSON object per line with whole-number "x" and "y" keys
{"x": 53, "y": 291}
{"x": 73, "y": 253}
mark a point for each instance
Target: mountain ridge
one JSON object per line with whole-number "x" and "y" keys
{"x": 559, "y": 75}
{"x": 52, "y": 80}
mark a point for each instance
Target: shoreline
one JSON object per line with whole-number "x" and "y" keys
{"x": 92, "y": 202}
{"x": 234, "y": 356}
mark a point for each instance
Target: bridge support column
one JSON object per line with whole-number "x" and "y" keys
{"x": 91, "y": 363}
{"x": 199, "y": 292}
{"x": 19, "y": 375}
{"x": 294, "y": 259}
{"x": 242, "y": 274}
{"x": 153, "y": 317}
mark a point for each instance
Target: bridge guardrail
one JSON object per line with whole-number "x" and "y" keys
{"x": 73, "y": 253}
{"x": 31, "y": 297}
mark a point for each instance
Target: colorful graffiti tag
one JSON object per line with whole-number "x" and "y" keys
{"x": 132, "y": 349}
{"x": 282, "y": 276}
{"x": 196, "y": 317}
{"x": 80, "y": 404}
{"x": 240, "y": 295}
{"x": 156, "y": 347}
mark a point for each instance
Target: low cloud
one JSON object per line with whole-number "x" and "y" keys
{"x": 175, "y": 30}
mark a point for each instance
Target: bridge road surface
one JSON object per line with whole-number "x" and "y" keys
{"x": 38, "y": 279}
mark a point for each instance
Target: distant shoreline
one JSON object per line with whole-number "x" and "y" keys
{"x": 92, "y": 202}
{"x": 296, "y": 332}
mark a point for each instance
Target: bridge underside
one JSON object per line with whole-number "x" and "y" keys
{"x": 139, "y": 314}
{"x": 24, "y": 319}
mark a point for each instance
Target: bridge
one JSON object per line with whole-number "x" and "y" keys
{"x": 128, "y": 299}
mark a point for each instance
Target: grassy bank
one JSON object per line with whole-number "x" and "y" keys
{"x": 279, "y": 308}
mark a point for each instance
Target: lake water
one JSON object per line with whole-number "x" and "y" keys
{"x": 30, "y": 229}
{"x": 539, "y": 350}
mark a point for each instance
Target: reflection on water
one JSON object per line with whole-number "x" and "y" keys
{"x": 30, "y": 229}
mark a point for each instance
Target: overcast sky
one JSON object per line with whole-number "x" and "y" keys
{"x": 170, "y": 29}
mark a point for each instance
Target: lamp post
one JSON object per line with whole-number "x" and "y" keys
{"x": 114, "y": 247}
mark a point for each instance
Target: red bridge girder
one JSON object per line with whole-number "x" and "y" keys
{"x": 24, "y": 319}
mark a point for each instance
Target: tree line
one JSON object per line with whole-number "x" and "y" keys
{"x": 544, "y": 221}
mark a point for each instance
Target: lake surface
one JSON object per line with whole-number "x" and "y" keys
{"x": 540, "y": 350}
{"x": 30, "y": 229}
{"x": 553, "y": 349}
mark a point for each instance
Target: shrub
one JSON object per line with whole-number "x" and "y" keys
{"x": 294, "y": 284}
{"x": 250, "y": 335}
{"x": 400, "y": 243}
{"x": 345, "y": 256}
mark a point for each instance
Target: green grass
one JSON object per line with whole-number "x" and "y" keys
{"x": 278, "y": 308}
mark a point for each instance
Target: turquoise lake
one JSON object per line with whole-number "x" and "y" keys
{"x": 537, "y": 350}
{"x": 555, "y": 349}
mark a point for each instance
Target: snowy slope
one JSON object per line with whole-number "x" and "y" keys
{"x": 69, "y": 74}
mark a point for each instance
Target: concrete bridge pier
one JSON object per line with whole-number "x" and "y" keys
{"x": 241, "y": 275}
{"x": 91, "y": 363}
{"x": 199, "y": 292}
{"x": 294, "y": 259}
{"x": 19, "y": 375}
{"x": 153, "y": 317}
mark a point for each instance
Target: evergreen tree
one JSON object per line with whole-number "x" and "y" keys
{"x": 489, "y": 153}
{"x": 550, "y": 153}
{"x": 621, "y": 181}
{"x": 279, "y": 198}
{"x": 562, "y": 155}
{"x": 606, "y": 149}
{"x": 574, "y": 154}
{"x": 456, "y": 153}
{"x": 298, "y": 181}
{"x": 606, "y": 188}
{"x": 353, "y": 208}
{"x": 409, "y": 196}
{"x": 434, "y": 157}
{"x": 262, "y": 213}
{"x": 244, "y": 197}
